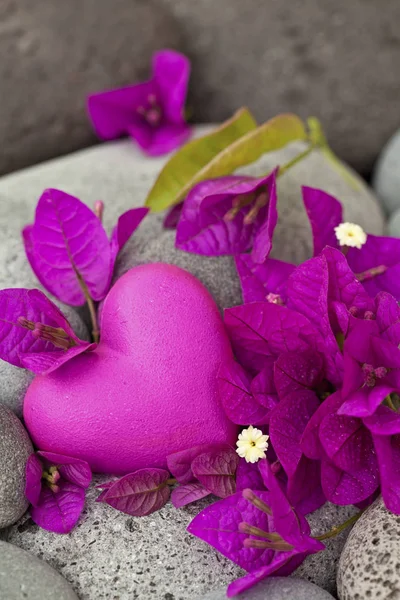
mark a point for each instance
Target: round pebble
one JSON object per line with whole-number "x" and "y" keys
{"x": 277, "y": 588}
{"x": 25, "y": 577}
{"x": 394, "y": 224}
{"x": 386, "y": 179}
{"x": 15, "y": 448}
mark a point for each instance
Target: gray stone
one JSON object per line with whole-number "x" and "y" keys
{"x": 15, "y": 448}
{"x": 55, "y": 54}
{"x": 321, "y": 568}
{"x": 277, "y": 588}
{"x": 15, "y": 381}
{"x": 394, "y": 224}
{"x": 23, "y": 576}
{"x": 111, "y": 555}
{"x": 369, "y": 566}
{"x": 386, "y": 179}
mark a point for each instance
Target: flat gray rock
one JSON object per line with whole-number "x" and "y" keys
{"x": 277, "y": 588}
{"x": 369, "y": 566}
{"x": 23, "y": 576}
{"x": 394, "y": 224}
{"x": 15, "y": 448}
{"x": 386, "y": 180}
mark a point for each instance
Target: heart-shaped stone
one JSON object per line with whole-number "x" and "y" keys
{"x": 150, "y": 387}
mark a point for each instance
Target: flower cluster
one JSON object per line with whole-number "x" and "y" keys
{"x": 316, "y": 368}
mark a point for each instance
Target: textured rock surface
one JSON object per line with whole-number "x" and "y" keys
{"x": 15, "y": 381}
{"x": 321, "y": 568}
{"x": 394, "y": 224}
{"x": 23, "y": 576}
{"x": 386, "y": 180}
{"x": 15, "y": 448}
{"x": 111, "y": 555}
{"x": 55, "y": 53}
{"x": 277, "y": 588}
{"x": 369, "y": 566}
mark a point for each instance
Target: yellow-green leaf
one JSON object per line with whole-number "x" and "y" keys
{"x": 181, "y": 171}
{"x": 317, "y": 138}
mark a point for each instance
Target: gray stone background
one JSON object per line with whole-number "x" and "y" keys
{"x": 335, "y": 59}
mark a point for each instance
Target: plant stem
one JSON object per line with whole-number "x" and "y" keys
{"x": 91, "y": 307}
{"x": 295, "y": 160}
{"x": 339, "y": 528}
{"x": 171, "y": 481}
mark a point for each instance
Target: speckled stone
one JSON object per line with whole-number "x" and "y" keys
{"x": 15, "y": 448}
{"x": 25, "y": 577}
{"x": 111, "y": 555}
{"x": 369, "y": 567}
{"x": 386, "y": 179}
{"x": 277, "y": 588}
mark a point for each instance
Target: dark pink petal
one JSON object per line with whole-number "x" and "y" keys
{"x": 156, "y": 141}
{"x": 30, "y": 254}
{"x": 248, "y": 476}
{"x": 172, "y": 217}
{"x": 262, "y": 329}
{"x": 388, "y": 453}
{"x": 308, "y": 294}
{"x": 304, "y": 490}
{"x": 260, "y": 280}
{"x": 69, "y": 243}
{"x": 105, "y": 487}
{"x": 237, "y": 400}
{"x": 377, "y": 252}
{"x": 388, "y": 317}
{"x": 202, "y": 228}
{"x": 141, "y": 493}
{"x": 74, "y": 470}
{"x": 33, "y": 485}
{"x": 18, "y": 344}
{"x": 348, "y": 488}
{"x": 294, "y": 371}
{"x": 324, "y": 213}
{"x": 218, "y": 525}
{"x": 180, "y": 463}
{"x": 171, "y": 72}
{"x": 384, "y": 421}
{"x": 287, "y": 424}
{"x": 185, "y": 494}
{"x": 264, "y": 390}
{"x": 112, "y": 112}
{"x": 310, "y": 442}
{"x": 262, "y": 244}
{"x": 216, "y": 471}
{"x": 282, "y": 564}
{"x": 101, "y": 496}
{"x": 59, "y": 512}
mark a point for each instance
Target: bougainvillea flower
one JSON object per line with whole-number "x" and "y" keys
{"x": 151, "y": 112}
{"x": 265, "y": 281}
{"x": 259, "y": 531}
{"x": 376, "y": 264}
{"x": 34, "y": 334}
{"x": 55, "y": 488}
{"x": 388, "y": 453}
{"x": 68, "y": 248}
{"x": 229, "y": 215}
{"x": 371, "y": 369}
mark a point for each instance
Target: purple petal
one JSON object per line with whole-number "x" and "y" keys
{"x": 156, "y": 141}
{"x": 216, "y": 471}
{"x": 259, "y": 280}
{"x": 74, "y": 470}
{"x": 33, "y": 485}
{"x": 263, "y": 389}
{"x": 141, "y": 493}
{"x": 180, "y": 463}
{"x": 287, "y": 424}
{"x": 388, "y": 317}
{"x": 171, "y": 72}
{"x": 262, "y": 245}
{"x": 248, "y": 476}
{"x": 127, "y": 223}
{"x": 348, "y": 488}
{"x": 388, "y": 453}
{"x": 69, "y": 242}
{"x": 324, "y": 213}
{"x": 17, "y": 343}
{"x": 59, "y": 512}
{"x": 240, "y": 406}
{"x": 262, "y": 329}
{"x": 310, "y": 442}
{"x": 112, "y": 112}
{"x": 304, "y": 490}
{"x": 172, "y": 217}
{"x": 298, "y": 371}
{"x": 383, "y": 422}
{"x": 185, "y": 494}
{"x": 202, "y": 228}
{"x": 218, "y": 525}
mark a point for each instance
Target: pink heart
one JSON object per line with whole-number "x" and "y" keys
{"x": 149, "y": 389}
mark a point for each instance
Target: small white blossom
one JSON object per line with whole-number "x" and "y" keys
{"x": 350, "y": 234}
{"x": 252, "y": 444}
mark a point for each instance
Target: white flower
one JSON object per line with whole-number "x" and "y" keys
{"x": 252, "y": 444}
{"x": 350, "y": 234}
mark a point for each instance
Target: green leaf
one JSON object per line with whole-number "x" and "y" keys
{"x": 184, "y": 168}
{"x": 317, "y": 137}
